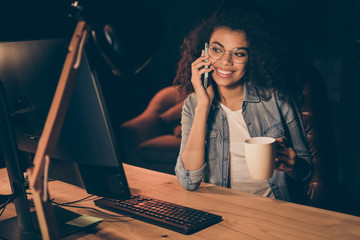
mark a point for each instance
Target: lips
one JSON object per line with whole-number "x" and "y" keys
{"x": 223, "y": 73}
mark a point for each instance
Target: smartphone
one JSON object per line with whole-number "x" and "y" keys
{"x": 206, "y": 75}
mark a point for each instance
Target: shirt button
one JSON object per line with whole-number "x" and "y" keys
{"x": 248, "y": 123}
{"x": 224, "y": 118}
{"x": 225, "y": 138}
{"x": 225, "y": 159}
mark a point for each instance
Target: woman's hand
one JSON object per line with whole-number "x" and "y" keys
{"x": 204, "y": 96}
{"x": 285, "y": 156}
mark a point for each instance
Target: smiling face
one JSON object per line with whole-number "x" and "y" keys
{"x": 227, "y": 73}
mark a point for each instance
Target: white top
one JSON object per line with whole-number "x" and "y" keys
{"x": 239, "y": 174}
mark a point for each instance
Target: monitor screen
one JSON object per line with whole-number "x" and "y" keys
{"x": 30, "y": 71}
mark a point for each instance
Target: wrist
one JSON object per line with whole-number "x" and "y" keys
{"x": 200, "y": 110}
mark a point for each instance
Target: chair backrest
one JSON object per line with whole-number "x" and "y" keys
{"x": 316, "y": 112}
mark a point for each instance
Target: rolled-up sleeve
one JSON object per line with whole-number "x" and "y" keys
{"x": 190, "y": 180}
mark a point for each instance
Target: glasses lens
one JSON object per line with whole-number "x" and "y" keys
{"x": 239, "y": 55}
{"x": 215, "y": 51}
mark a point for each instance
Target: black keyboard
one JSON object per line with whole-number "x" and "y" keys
{"x": 161, "y": 213}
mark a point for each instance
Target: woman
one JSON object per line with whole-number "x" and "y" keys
{"x": 249, "y": 95}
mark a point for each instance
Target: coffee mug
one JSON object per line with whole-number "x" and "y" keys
{"x": 260, "y": 153}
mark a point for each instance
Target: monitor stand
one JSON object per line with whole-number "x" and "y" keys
{"x": 11, "y": 230}
{"x": 51, "y": 131}
{"x": 48, "y": 222}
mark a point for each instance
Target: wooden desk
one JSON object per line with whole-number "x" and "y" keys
{"x": 246, "y": 216}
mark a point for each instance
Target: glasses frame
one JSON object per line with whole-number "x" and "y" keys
{"x": 231, "y": 53}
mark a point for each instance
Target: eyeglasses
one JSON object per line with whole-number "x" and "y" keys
{"x": 238, "y": 55}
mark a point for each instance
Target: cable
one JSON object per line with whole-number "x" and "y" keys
{"x": 67, "y": 204}
{"x": 3, "y": 206}
{"x": 76, "y": 201}
{"x": 82, "y": 199}
{"x": 4, "y": 198}
{"x": 91, "y": 208}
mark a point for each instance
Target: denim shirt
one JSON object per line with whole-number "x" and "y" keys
{"x": 271, "y": 118}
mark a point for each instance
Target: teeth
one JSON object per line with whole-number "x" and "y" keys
{"x": 224, "y": 72}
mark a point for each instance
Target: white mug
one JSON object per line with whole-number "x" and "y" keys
{"x": 260, "y": 153}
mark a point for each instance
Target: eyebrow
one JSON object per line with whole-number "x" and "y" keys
{"x": 243, "y": 48}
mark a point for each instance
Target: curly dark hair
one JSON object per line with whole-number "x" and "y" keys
{"x": 271, "y": 64}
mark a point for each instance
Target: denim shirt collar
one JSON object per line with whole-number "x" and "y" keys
{"x": 250, "y": 95}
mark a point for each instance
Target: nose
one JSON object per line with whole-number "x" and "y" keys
{"x": 227, "y": 58}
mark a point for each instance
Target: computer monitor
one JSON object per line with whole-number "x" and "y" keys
{"x": 30, "y": 71}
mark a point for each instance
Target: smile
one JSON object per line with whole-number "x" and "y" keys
{"x": 223, "y": 73}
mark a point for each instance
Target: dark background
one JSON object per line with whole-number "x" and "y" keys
{"x": 326, "y": 34}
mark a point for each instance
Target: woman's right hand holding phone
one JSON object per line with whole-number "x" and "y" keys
{"x": 204, "y": 96}
{"x": 193, "y": 155}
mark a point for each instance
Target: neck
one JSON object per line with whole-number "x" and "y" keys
{"x": 232, "y": 97}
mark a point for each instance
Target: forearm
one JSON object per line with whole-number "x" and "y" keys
{"x": 193, "y": 155}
